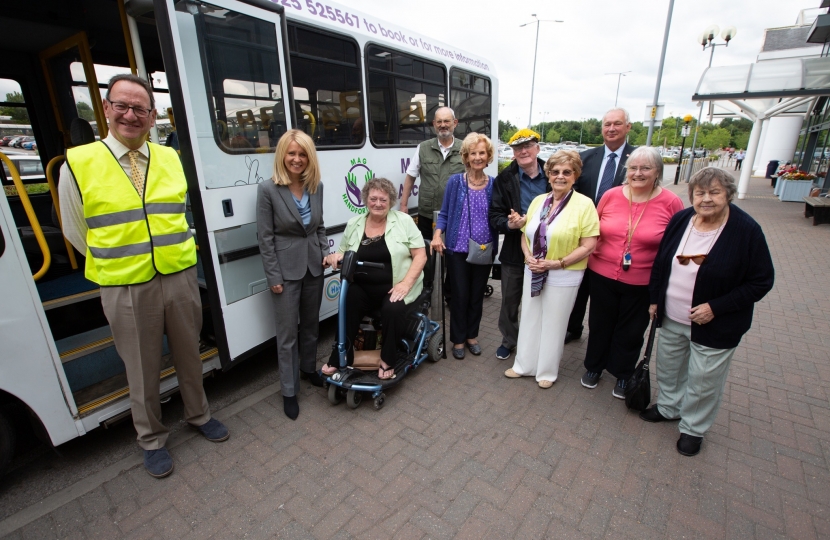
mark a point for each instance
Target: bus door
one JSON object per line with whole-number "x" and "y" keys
{"x": 226, "y": 66}
{"x": 29, "y": 369}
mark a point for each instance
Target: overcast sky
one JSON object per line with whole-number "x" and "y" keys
{"x": 597, "y": 37}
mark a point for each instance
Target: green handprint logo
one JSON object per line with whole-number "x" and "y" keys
{"x": 353, "y": 196}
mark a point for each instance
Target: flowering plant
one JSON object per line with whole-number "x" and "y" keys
{"x": 794, "y": 174}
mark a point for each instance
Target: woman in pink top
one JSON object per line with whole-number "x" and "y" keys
{"x": 632, "y": 219}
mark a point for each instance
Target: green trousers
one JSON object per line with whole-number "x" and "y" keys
{"x": 691, "y": 378}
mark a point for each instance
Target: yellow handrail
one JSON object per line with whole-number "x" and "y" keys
{"x": 30, "y": 213}
{"x": 50, "y": 179}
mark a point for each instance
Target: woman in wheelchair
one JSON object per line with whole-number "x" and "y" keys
{"x": 383, "y": 236}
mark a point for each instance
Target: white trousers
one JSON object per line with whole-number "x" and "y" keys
{"x": 542, "y": 331}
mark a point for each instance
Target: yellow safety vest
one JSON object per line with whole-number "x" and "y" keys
{"x": 130, "y": 239}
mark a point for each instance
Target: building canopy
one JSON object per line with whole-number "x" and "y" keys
{"x": 786, "y": 77}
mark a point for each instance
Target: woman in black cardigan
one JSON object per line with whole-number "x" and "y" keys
{"x": 713, "y": 265}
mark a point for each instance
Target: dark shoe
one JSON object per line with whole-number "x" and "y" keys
{"x": 158, "y": 463}
{"x": 458, "y": 354}
{"x": 214, "y": 430}
{"x": 313, "y": 377}
{"x": 689, "y": 445}
{"x": 503, "y": 353}
{"x": 475, "y": 348}
{"x": 571, "y": 336}
{"x": 291, "y": 407}
{"x": 590, "y": 379}
{"x": 619, "y": 389}
{"x": 653, "y": 415}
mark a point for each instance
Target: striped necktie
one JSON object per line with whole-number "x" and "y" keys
{"x": 135, "y": 173}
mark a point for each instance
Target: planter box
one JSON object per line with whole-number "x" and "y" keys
{"x": 793, "y": 190}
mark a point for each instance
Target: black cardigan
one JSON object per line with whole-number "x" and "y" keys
{"x": 737, "y": 273}
{"x": 507, "y": 196}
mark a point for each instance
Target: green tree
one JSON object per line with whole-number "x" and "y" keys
{"x": 85, "y": 111}
{"x": 506, "y": 127}
{"x": 717, "y": 138}
{"x": 552, "y": 136}
{"x": 19, "y": 115}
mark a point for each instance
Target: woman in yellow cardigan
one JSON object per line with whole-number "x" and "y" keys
{"x": 560, "y": 232}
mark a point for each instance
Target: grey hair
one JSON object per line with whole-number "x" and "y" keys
{"x": 615, "y": 109}
{"x": 133, "y": 79}
{"x": 379, "y": 184}
{"x": 652, "y": 157}
{"x": 704, "y": 178}
{"x": 452, "y": 112}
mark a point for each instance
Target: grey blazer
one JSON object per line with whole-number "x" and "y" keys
{"x": 288, "y": 249}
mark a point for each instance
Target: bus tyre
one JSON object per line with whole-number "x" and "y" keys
{"x": 435, "y": 348}
{"x": 6, "y": 441}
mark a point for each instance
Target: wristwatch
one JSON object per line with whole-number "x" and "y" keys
{"x": 562, "y": 264}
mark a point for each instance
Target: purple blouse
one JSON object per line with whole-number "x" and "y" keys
{"x": 481, "y": 229}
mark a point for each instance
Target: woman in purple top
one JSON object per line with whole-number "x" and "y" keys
{"x": 464, "y": 218}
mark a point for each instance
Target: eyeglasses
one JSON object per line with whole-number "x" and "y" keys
{"x": 523, "y": 148}
{"x": 697, "y": 259}
{"x": 122, "y": 108}
{"x": 567, "y": 173}
{"x": 643, "y": 170}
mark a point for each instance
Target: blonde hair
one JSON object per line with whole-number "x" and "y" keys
{"x": 311, "y": 175}
{"x": 562, "y": 157}
{"x": 471, "y": 141}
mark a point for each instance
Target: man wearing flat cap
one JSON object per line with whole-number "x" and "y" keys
{"x": 515, "y": 187}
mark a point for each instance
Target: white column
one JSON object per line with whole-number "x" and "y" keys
{"x": 760, "y": 152}
{"x": 751, "y": 150}
{"x": 780, "y": 140}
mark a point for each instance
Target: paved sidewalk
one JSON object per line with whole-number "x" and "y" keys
{"x": 461, "y": 451}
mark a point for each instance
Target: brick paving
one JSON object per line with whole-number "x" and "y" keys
{"x": 461, "y": 451}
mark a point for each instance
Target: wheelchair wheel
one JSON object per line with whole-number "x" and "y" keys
{"x": 488, "y": 292}
{"x": 379, "y": 402}
{"x": 335, "y": 394}
{"x": 435, "y": 348}
{"x": 353, "y": 399}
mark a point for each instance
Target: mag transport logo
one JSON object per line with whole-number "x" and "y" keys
{"x": 352, "y": 198}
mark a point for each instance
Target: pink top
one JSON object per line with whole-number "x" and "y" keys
{"x": 606, "y": 260}
{"x": 682, "y": 278}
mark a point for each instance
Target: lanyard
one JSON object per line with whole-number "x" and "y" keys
{"x": 631, "y": 229}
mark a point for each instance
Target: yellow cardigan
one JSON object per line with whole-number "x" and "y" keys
{"x": 578, "y": 220}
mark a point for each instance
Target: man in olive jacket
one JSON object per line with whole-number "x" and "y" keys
{"x": 514, "y": 188}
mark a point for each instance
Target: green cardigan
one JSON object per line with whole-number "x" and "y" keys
{"x": 401, "y": 235}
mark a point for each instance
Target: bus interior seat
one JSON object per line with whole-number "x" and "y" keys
{"x": 350, "y": 105}
{"x": 412, "y": 114}
{"x": 80, "y": 132}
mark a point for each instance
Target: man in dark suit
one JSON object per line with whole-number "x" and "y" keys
{"x": 603, "y": 167}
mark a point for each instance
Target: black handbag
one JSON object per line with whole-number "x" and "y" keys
{"x": 638, "y": 387}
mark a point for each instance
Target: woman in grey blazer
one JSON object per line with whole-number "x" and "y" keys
{"x": 293, "y": 243}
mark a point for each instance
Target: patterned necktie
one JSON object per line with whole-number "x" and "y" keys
{"x": 607, "y": 176}
{"x": 135, "y": 173}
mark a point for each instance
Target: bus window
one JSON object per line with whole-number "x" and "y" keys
{"x": 243, "y": 79}
{"x": 327, "y": 88}
{"x": 404, "y": 92}
{"x": 471, "y": 101}
{"x": 17, "y": 141}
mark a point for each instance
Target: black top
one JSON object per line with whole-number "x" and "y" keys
{"x": 736, "y": 274}
{"x": 507, "y": 196}
{"x": 376, "y": 252}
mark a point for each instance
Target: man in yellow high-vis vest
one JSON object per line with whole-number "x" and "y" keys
{"x": 123, "y": 204}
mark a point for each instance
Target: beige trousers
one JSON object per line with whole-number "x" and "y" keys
{"x": 139, "y": 316}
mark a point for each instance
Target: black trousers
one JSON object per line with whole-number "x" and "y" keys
{"x": 468, "y": 282}
{"x": 364, "y": 299}
{"x": 618, "y": 320}
{"x": 580, "y": 305}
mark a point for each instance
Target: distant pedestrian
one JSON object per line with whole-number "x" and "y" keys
{"x": 739, "y": 159}
{"x": 713, "y": 265}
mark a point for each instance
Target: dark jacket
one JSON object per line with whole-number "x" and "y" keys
{"x": 736, "y": 274}
{"x": 591, "y": 164}
{"x": 507, "y": 196}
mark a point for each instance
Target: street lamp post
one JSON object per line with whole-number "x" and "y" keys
{"x": 707, "y": 40}
{"x": 535, "y": 52}
{"x": 581, "y": 126}
{"x": 659, "y": 74}
{"x": 620, "y": 75}
{"x": 544, "y": 116}
{"x": 685, "y": 133}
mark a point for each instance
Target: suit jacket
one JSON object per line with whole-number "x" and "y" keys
{"x": 288, "y": 248}
{"x": 592, "y": 162}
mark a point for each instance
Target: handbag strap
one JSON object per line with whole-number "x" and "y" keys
{"x": 650, "y": 344}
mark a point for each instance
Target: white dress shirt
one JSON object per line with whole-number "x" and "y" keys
{"x": 608, "y": 152}
{"x": 414, "y": 169}
{"x": 72, "y": 207}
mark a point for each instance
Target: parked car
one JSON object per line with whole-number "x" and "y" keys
{"x": 29, "y": 145}
{"x": 5, "y": 140}
{"x": 13, "y": 140}
{"x": 30, "y": 168}
{"x": 18, "y": 143}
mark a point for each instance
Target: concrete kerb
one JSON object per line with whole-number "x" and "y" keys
{"x": 78, "y": 489}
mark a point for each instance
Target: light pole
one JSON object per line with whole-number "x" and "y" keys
{"x": 659, "y": 74}
{"x": 581, "y": 125}
{"x": 707, "y": 40}
{"x": 544, "y": 116}
{"x": 620, "y": 75}
{"x": 685, "y": 132}
{"x": 535, "y": 52}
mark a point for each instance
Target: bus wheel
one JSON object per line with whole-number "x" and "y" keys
{"x": 6, "y": 441}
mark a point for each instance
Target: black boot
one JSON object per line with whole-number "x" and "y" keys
{"x": 313, "y": 377}
{"x": 291, "y": 407}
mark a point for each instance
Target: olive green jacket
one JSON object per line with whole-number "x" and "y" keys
{"x": 435, "y": 171}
